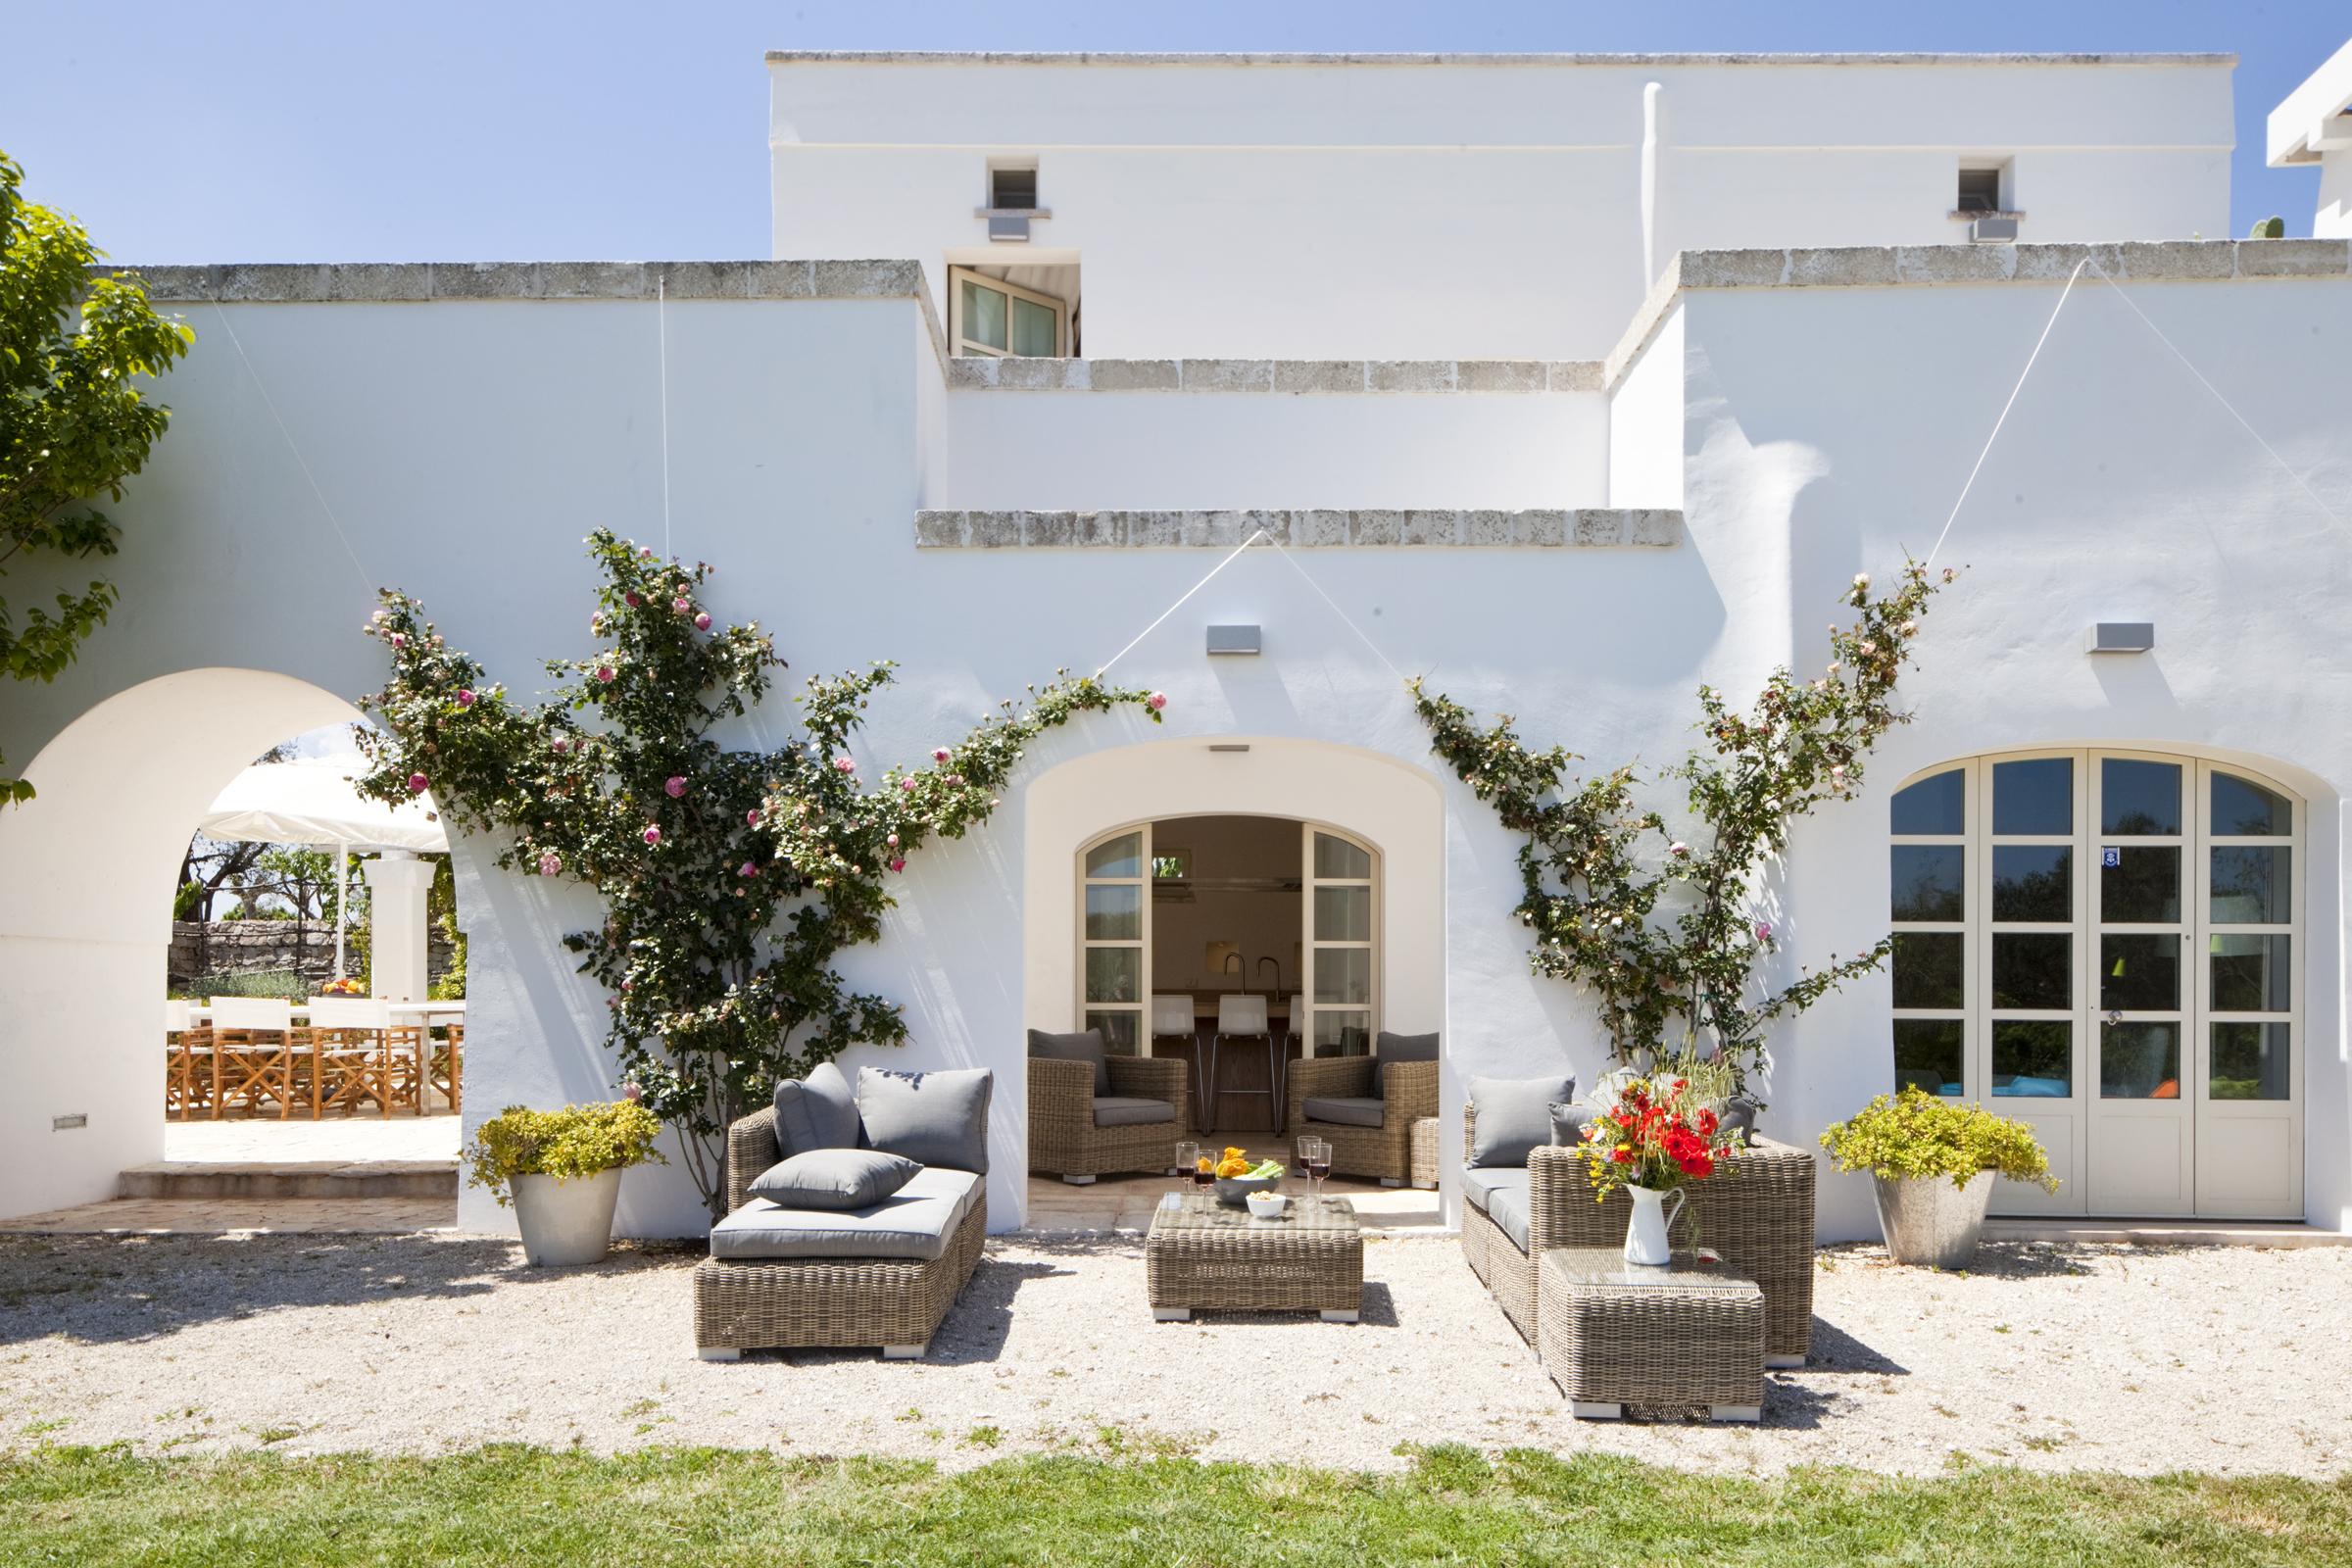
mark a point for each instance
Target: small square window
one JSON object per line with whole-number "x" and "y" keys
{"x": 1012, "y": 189}
{"x": 1980, "y": 190}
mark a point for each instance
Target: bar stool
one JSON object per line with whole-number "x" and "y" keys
{"x": 1244, "y": 1018}
{"x": 1172, "y": 1019}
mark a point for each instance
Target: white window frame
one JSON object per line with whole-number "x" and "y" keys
{"x": 965, "y": 346}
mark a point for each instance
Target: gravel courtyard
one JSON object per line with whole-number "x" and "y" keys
{"x": 2048, "y": 1358}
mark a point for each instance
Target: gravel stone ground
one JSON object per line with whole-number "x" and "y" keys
{"x": 2047, "y": 1356}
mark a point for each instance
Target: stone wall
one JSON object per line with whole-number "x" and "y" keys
{"x": 244, "y": 947}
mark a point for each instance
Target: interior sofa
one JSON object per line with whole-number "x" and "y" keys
{"x": 1365, "y": 1106}
{"x": 853, "y": 1267}
{"x": 1093, "y": 1112}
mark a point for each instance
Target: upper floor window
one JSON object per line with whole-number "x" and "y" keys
{"x": 1012, "y": 189}
{"x": 1980, "y": 190}
{"x": 998, "y": 318}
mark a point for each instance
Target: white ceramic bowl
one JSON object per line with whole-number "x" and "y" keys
{"x": 1266, "y": 1206}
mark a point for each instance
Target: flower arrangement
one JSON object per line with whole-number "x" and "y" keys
{"x": 569, "y": 1144}
{"x": 1237, "y": 1163}
{"x": 1919, "y": 1135}
{"x": 1658, "y": 1136}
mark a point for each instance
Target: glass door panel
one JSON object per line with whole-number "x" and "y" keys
{"x": 2142, "y": 1130}
{"x": 1114, "y": 936}
{"x": 1929, "y": 903}
{"x": 2034, "y": 973}
{"x": 2246, "y": 1066}
{"x": 1342, "y": 917}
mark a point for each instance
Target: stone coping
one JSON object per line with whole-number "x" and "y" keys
{"x": 1339, "y": 376}
{"x": 298, "y": 282}
{"x": 943, "y": 57}
{"x": 1312, "y": 528}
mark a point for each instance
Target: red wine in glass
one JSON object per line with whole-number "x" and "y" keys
{"x": 1202, "y": 1176}
{"x": 1318, "y": 1167}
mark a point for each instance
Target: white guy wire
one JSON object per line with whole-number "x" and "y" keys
{"x": 1986, "y": 451}
{"x": 286, "y": 435}
{"x": 1177, "y": 605}
{"x": 1361, "y": 635}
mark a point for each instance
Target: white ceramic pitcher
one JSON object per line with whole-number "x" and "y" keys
{"x": 1645, "y": 1233}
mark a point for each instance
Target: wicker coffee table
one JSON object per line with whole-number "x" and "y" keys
{"x": 1203, "y": 1256}
{"x": 1675, "y": 1336}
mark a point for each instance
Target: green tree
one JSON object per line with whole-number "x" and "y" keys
{"x": 74, "y": 422}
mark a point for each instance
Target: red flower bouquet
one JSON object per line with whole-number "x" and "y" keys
{"x": 1655, "y": 1137}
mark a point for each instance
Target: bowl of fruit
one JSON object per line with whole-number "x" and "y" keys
{"x": 1237, "y": 1176}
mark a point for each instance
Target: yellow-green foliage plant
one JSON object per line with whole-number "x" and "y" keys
{"x": 1916, "y": 1134}
{"x": 569, "y": 1144}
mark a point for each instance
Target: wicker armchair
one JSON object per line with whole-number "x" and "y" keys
{"x": 1063, "y": 1139}
{"x": 750, "y": 1304}
{"x": 1409, "y": 1090}
{"x": 1755, "y": 1212}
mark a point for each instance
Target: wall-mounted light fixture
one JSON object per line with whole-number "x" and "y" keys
{"x": 2121, "y": 637}
{"x": 1232, "y": 640}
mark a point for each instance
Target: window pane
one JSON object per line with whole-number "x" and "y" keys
{"x": 2034, "y": 1058}
{"x": 2249, "y": 1061}
{"x": 1114, "y": 911}
{"x": 1927, "y": 879}
{"x": 1932, "y": 806}
{"x": 2244, "y": 808}
{"x": 1337, "y": 857}
{"x": 1343, "y": 915}
{"x": 2143, "y": 887}
{"x": 1119, "y": 857}
{"x": 983, "y": 314}
{"x": 1034, "y": 331}
{"x": 2250, "y": 885}
{"x": 1928, "y": 1055}
{"x": 1114, "y": 974}
{"x": 2250, "y": 974}
{"x": 2033, "y": 970}
{"x": 2139, "y": 1061}
{"x": 1343, "y": 1034}
{"x": 2139, "y": 973}
{"x": 2033, "y": 797}
{"x": 1119, "y": 1030}
{"x": 2033, "y": 882}
{"x": 1342, "y": 975}
{"x": 2139, "y": 798}
{"x": 1928, "y": 969}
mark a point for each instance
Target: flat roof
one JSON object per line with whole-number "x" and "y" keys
{"x": 2300, "y": 128}
{"x": 933, "y": 57}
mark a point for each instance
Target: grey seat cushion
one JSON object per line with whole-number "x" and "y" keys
{"x": 1345, "y": 1111}
{"x": 914, "y": 1222}
{"x": 1120, "y": 1110}
{"x": 1514, "y": 1115}
{"x": 933, "y": 1118}
{"x": 818, "y": 1111}
{"x": 1508, "y": 1207}
{"x": 1568, "y": 1123}
{"x": 1389, "y": 1047}
{"x": 1481, "y": 1184}
{"x": 1084, "y": 1046}
{"x": 834, "y": 1178}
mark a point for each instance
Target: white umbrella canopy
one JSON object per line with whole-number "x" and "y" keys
{"x": 315, "y": 803}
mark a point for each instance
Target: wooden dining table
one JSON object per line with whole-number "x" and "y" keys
{"x": 425, "y": 1016}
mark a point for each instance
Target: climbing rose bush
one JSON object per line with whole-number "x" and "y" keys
{"x": 730, "y": 878}
{"x": 1662, "y": 931}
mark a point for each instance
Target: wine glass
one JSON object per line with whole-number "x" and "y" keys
{"x": 1318, "y": 1167}
{"x": 1187, "y": 1164}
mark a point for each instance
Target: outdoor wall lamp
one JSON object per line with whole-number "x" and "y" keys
{"x": 2121, "y": 637}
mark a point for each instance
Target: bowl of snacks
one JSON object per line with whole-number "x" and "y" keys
{"x": 1267, "y": 1206}
{"x": 1239, "y": 1176}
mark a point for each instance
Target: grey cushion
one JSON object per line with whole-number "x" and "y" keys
{"x": 834, "y": 1178}
{"x": 933, "y": 1118}
{"x": 1514, "y": 1115}
{"x": 1399, "y": 1048}
{"x": 1737, "y": 1115}
{"x": 1084, "y": 1046}
{"x": 1508, "y": 1207}
{"x": 1479, "y": 1186}
{"x": 1118, "y": 1110}
{"x": 914, "y": 1222}
{"x": 1568, "y": 1123}
{"x": 817, "y": 1111}
{"x": 1345, "y": 1112}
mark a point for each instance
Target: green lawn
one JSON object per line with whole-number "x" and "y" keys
{"x": 708, "y": 1507}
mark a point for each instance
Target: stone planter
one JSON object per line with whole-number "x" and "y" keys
{"x": 1929, "y": 1222}
{"x": 565, "y": 1223}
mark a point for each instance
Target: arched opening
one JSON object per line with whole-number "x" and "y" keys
{"x": 89, "y": 871}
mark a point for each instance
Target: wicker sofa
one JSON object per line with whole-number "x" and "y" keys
{"x": 1756, "y": 1213}
{"x": 1077, "y": 1136}
{"x": 895, "y": 1303}
{"x": 1409, "y": 1093}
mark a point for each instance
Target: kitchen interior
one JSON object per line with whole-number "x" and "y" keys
{"x": 1226, "y": 918}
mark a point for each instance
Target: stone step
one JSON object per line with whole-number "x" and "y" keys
{"x": 316, "y": 1178}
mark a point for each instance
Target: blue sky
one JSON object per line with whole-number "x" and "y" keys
{"x": 490, "y": 130}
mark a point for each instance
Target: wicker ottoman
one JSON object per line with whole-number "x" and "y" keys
{"x": 1685, "y": 1335}
{"x": 1203, "y": 1256}
{"x": 1425, "y": 1151}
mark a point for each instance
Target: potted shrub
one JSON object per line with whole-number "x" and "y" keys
{"x": 1934, "y": 1160}
{"x": 561, "y": 1170}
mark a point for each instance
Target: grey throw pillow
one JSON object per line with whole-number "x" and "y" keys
{"x": 818, "y": 1111}
{"x": 1568, "y": 1123}
{"x": 1084, "y": 1046}
{"x": 935, "y": 1118}
{"x": 834, "y": 1178}
{"x": 1737, "y": 1115}
{"x": 1514, "y": 1116}
{"x": 1399, "y": 1048}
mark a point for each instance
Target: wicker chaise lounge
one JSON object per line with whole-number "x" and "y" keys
{"x": 1076, "y": 1135}
{"x": 1376, "y": 1138}
{"x": 1756, "y": 1213}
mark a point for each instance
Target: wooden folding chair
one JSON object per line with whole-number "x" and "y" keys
{"x": 353, "y": 1052}
{"x": 253, "y": 1055}
{"x": 188, "y": 1062}
{"x": 445, "y": 1069}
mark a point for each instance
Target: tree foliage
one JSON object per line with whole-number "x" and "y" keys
{"x": 730, "y": 879}
{"x": 1660, "y": 930}
{"x": 74, "y": 422}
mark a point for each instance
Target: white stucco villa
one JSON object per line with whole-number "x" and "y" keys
{"x": 1573, "y": 382}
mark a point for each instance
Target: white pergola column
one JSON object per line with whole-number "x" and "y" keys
{"x": 396, "y": 883}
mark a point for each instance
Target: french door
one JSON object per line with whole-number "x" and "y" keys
{"x": 2103, "y": 945}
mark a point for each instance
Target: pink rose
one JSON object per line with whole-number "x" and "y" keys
{"x": 1763, "y": 931}
{"x": 416, "y": 782}
{"x": 1156, "y": 700}
{"x": 674, "y": 787}
{"x": 891, "y": 840}
{"x": 550, "y": 863}
{"x": 645, "y": 552}
{"x": 631, "y": 600}
{"x": 907, "y": 784}
{"x": 632, "y": 1091}
{"x": 681, "y": 605}
{"x": 845, "y": 764}
{"x": 653, "y": 834}
{"x": 748, "y": 869}
{"x": 560, "y": 745}
{"x": 940, "y": 755}
{"x": 603, "y": 672}
{"x": 750, "y": 818}
{"x": 397, "y": 641}
{"x": 464, "y": 697}
{"x": 955, "y": 778}
{"x": 898, "y": 865}
{"x": 702, "y": 623}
